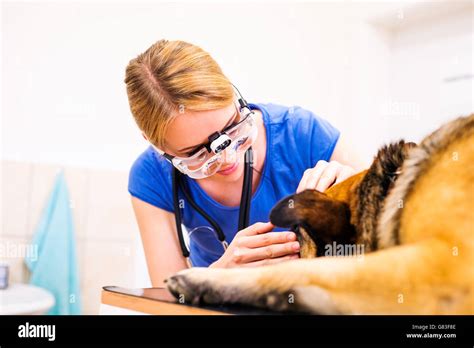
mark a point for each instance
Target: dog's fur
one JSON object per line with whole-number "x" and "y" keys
{"x": 412, "y": 211}
{"x": 346, "y": 213}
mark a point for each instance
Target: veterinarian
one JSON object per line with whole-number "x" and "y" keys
{"x": 196, "y": 120}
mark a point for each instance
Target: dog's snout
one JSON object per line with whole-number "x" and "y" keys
{"x": 283, "y": 214}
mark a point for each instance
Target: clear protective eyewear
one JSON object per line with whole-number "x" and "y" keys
{"x": 207, "y": 158}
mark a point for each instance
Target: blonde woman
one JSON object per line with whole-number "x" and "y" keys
{"x": 179, "y": 97}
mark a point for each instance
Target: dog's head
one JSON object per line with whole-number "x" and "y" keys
{"x": 346, "y": 213}
{"x": 317, "y": 218}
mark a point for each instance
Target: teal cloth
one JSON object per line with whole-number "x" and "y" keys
{"x": 55, "y": 266}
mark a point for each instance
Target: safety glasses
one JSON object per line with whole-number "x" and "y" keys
{"x": 209, "y": 157}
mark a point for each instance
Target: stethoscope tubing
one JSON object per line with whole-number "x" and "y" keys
{"x": 244, "y": 210}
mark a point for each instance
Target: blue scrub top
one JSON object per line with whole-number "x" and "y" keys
{"x": 296, "y": 140}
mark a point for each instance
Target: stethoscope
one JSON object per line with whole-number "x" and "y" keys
{"x": 244, "y": 210}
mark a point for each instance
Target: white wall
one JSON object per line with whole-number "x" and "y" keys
{"x": 63, "y": 69}
{"x": 431, "y": 73}
{"x": 355, "y": 63}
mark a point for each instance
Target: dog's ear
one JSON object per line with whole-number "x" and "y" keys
{"x": 409, "y": 145}
{"x": 326, "y": 220}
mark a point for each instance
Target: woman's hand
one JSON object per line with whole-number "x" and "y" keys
{"x": 324, "y": 175}
{"x": 257, "y": 246}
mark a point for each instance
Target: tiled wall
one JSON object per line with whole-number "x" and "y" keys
{"x": 107, "y": 236}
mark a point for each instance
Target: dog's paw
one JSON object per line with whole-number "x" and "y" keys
{"x": 221, "y": 286}
{"x": 200, "y": 285}
{"x": 186, "y": 286}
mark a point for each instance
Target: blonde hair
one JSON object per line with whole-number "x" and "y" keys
{"x": 172, "y": 77}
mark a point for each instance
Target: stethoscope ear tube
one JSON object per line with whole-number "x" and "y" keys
{"x": 246, "y": 190}
{"x": 177, "y": 213}
{"x": 220, "y": 234}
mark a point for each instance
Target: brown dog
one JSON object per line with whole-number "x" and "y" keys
{"x": 345, "y": 214}
{"x": 411, "y": 212}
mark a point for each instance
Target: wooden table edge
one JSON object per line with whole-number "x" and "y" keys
{"x": 149, "y": 306}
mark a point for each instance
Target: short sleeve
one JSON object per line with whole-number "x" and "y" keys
{"x": 150, "y": 180}
{"x": 319, "y": 137}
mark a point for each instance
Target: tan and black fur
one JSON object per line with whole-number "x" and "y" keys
{"x": 412, "y": 210}
{"x": 347, "y": 213}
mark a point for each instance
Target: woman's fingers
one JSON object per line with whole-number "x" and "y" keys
{"x": 256, "y": 228}
{"x": 256, "y": 243}
{"x": 267, "y": 262}
{"x": 316, "y": 173}
{"x": 329, "y": 175}
{"x": 246, "y": 255}
{"x": 266, "y": 239}
{"x": 345, "y": 173}
{"x": 310, "y": 176}
{"x": 324, "y": 175}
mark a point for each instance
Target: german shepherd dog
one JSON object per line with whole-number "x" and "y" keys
{"x": 411, "y": 211}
